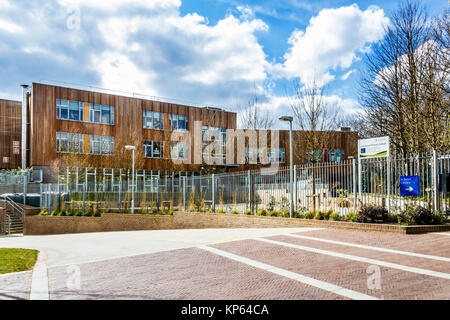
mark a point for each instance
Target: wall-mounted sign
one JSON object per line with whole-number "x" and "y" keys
{"x": 409, "y": 186}
{"x": 5, "y": 159}
{"x": 373, "y": 148}
{"x": 16, "y": 147}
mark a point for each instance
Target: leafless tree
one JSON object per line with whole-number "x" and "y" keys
{"x": 404, "y": 85}
{"x": 254, "y": 117}
{"x": 317, "y": 118}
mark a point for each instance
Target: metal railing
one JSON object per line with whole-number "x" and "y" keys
{"x": 12, "y": 207}
{"x": 340, "y": 187}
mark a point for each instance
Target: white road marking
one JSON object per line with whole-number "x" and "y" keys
{"x": 292, "y": 275}
{"x": 361, "y": 259}
{"x": 39, "y": 280}
{"x": 349, "y": 244}
{"x": 442, "y": 234}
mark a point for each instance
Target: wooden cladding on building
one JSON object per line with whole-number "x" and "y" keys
{"x": 10, "y": 134}
{"x": 127, "y": 130}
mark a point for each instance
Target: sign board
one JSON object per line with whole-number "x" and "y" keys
{"x": 409, "y": 186}
{"x": 373, "y": 148}
{"x": 5, "y": 159}
{"x": 16, "y": 147}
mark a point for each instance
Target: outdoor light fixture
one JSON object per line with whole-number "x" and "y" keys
{"x": 133, "y": 148}
{"x": 291, "y": 165}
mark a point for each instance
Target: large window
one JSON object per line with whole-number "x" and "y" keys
{"x": 74, "y": 110}
{"x": 69, "y": 142}
{"x": 101, "y": 114}
{"x": 153, "y": 120}
{"x": 101, "y": 145}
{"x": 336, "y": 155}
{"x": 276, "y": 155}
{"x": 153, "y": 149}
{"x": 179, "y": 150}
{"x": 178, "y": 122}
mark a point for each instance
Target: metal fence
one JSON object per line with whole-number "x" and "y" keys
{"x": 340, "y": 187}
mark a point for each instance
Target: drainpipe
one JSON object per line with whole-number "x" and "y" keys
{"x": 24, "y": 138}
{"x": 24, "y": 125}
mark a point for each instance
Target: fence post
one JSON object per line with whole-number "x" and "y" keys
{"x": 354, "y": 184}
{"x": 25, "y": 178}
{"x": 389, "y": 182}
{"x": 120, "y": 195}
{"x": 249, "y": 177}
{"x": 295, "y": 188}
{"x": 435, "y": 181}
{"x": 40, "y": 196}
{"x": 184, "y": 194}
{"x": 84, "y": 198}
{"x": 157, "y": 195}
{"x": 213, "y": 189}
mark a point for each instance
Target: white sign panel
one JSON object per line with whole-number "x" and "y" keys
{"x": 373, "y": 148}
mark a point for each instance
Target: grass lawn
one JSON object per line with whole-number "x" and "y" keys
{"x": 16, "y": 260}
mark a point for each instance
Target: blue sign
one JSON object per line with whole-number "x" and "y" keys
{"x": 409, "y": 186}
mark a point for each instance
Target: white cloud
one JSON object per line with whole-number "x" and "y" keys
{"x": 331, "y": 41}
{"x": 346, "y": 75}
{"x": 8, "y": 26}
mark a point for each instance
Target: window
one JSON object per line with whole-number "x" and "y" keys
{"x": 94, "y": 144}
{"x": 153, "y": 120}
{"x": 153, "y": 149}
{"x": 336, "y": 155}
{"x": 62, "y": 142}
{"x": 76, "y": 111}
{"x": 316, "y": 156}
{"x": 101, "y": 145}
{"x": 157, "y": 121}
{"x": 69, "y": 142}
{"x": 277, "y": 155}
{"x": 101, "y": 114}
{"x": 179, "y": 150}
{"x": 62, "y": 109}
{"x": 76, "y": 143}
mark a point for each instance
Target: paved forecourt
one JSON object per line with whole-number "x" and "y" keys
{"x": 304, "y": 263}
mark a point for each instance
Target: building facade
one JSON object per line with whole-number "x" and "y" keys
{"x": 69, "y": 127}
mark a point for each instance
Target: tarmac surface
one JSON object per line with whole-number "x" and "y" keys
{"x": 225, "y": 264}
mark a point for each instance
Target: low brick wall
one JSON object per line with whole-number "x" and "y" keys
{"x": 38, "y": 225}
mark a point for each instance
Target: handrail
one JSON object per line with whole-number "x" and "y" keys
{"x": 15, "y": 206}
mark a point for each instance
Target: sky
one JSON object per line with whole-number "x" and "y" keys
{"x": 218, "y": 53}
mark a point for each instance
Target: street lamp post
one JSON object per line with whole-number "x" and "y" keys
{"x": 133, "y": 148}
{"x": 291, "y": 164}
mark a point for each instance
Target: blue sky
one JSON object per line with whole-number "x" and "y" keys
{"x": 206, "y": 52}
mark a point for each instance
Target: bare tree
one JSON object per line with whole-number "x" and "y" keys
{"x": 254, "y": 117}
{"x": 404, "y": 86}
{"x": 317, "y": 118}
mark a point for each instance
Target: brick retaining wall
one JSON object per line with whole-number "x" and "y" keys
{"x": 36, "y": 225}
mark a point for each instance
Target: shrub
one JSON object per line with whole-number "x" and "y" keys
{"x": 283, "y": 214}
{"x": 248, "y": 212}
{"x": 220, "y": 211}
{"x": 335, "y": 216}
{"x": 373, "y": 214}
{"x": 61, "y": 214}
{"x": 43, "y": 213}
{"x": 351, "y": 216}
{"x": 327, "y": 214}
{"x": 87, "y": 214}
{"x": 309, "y": 215}
{"x": 319, "y": 215}
{"x": 298, "y": 215}
{"x": 234, "y": 212}
{"x": 78, "y": 214}
{"x": 261, "y": 212}
{"x": 97, "y": 214}
{"x": 273, "y": 213}
{"x": 54, "y": 213}
{"x": 419, "y": 216}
